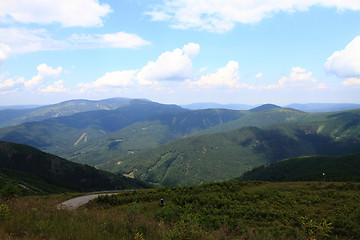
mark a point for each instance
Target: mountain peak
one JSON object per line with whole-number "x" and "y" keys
{"x": 264, "y": 107}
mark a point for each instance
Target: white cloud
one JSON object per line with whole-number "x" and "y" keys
{"x": 175, "y": 65}
{"x": 352, "y": 82}
{"x": 222, "y": 15}
{"x": 10, "y": 85}
{"x": 38, "y": 82}
{"x": 21, "y": 40}
{"x": 227, "y": 76}
{"x": 259, "y": 75}
{"x": 57, "y": 87}
{"x": 298, "y": 78}
{"x": 4, "y": 53}
{"x": 112, "y": 79}
{"x": 69, "y": 13}
{"x": 44, "y": 72}
{"x": 345, "y": 63}
{"x": 110, "y": 40}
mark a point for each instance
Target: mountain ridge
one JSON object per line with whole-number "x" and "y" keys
{"x": 60, "y": 172}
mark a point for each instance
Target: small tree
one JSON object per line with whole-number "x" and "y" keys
{"x": 9, "y": 191}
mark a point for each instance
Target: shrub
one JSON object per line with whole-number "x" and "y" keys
{"x": 9, "y": 191}
{"x": 4, "y": 211}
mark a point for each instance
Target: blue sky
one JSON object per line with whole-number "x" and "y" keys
{"x": 180, "y": 51}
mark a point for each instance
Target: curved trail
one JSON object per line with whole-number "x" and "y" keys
{"x": 77, "y": 202}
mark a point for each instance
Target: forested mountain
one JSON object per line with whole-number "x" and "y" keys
{"x": 227, "y": 155}
{"x": 15, "y": 116}
{"x": 211, "y": 144}
{"x": 310, "y": 168}
{"x": 94, "y": 137}
{"x": 53, "y": 170}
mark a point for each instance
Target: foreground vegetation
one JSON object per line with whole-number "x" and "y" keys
{"x": 226, "y": 210}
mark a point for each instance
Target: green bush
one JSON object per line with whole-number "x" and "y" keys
{"x": 4, "y": 211}
{"x": 10, "y": 190}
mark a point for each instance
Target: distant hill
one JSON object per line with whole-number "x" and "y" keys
{"x": 344, "y": 168}
{"x": 324, "y": 107}
{"x": 18, "y": 115}
{"x": 198, "y": 106}
{"x": 57, "y": 171}
{"x": 264, "y": 107}
{"x": 19, "y": 107}
{"x": 261, "y": 118}
{"x": 226, "y": 155}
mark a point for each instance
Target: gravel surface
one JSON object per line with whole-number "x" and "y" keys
{"x": 75, "y": 203}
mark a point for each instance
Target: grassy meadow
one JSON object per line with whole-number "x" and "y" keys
{"x": 224, "y": 210}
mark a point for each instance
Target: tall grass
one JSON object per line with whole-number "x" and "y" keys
{"x": 230, "y": 210}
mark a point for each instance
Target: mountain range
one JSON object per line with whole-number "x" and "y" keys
{"x": 169, "y": 145}
{"x": 226, "y": 155}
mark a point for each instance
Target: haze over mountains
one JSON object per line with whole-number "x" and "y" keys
{"x": 170, "y": 145}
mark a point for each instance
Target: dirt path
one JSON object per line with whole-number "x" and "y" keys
{"x": 75, "y": 203}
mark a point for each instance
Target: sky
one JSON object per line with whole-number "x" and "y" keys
{"x": 180, "y": 51}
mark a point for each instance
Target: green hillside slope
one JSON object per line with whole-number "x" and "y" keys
{"x": 227, "y": 155}
{"x": 148, "y": 134}
{"x": 56, "y": 134}
{"x": 97, "y": 136}
{"x": 344, "y": 168}
{"x": 28, "y": 184}
{"x": 12, "y": 116}
{"x": 60, "y": 172}
{"x": 259, "y": 118}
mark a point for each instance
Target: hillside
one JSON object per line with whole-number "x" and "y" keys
{"x": 29, "y": 184}
{"x": 96, "y": 136}
{"x": 10, "y": 117}
{"x": 344, "y": 168}
{"x": 260, "y": 118}
{"x": 57, "y": 171}
{"x": 221, "y": 156}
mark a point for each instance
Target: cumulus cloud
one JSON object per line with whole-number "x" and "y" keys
{"x": 57, "y": 87}
{"x": 345, "y": 63}
{"x": 298, "y": 78}
{"x": 69, "y": 13}
{"x": 4, "y": 52}
{"x": 44, "y": 72}
{"x": 41, "y": 82}
{"x": 112, "y": 79}
{"x": 221, "y": 16}
{"x": 11, "y": 85}
{"x": 110, "y": 40}
{"x": 352, "y": 82}
{"x": 227, "y": 76}
{"x": 173, "y": 66}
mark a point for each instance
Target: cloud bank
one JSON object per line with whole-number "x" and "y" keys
{"x": 222, "y": 15}
{"x": 69, "y": 13}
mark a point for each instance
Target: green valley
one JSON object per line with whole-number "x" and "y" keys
{"x": 227, "y": 155}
